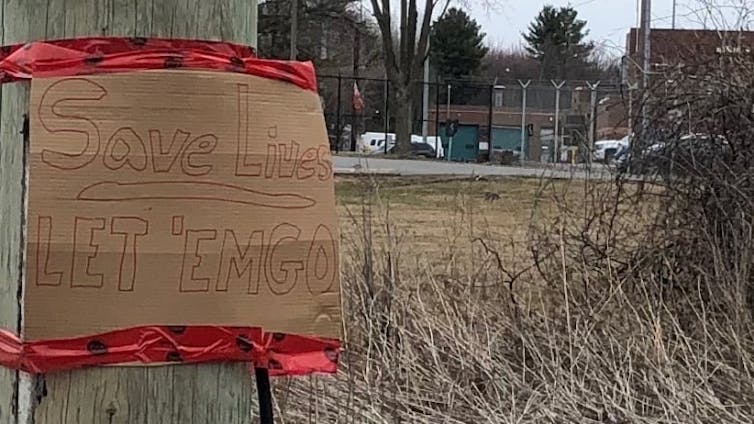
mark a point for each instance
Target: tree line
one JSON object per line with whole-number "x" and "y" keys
{"x": 341, "y": 37}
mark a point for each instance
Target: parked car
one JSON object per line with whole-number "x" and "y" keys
{"x": 433, "y": 141}
{"x": 605, "y": 150}
{"x": 373, "y": 143}
{"x": 419, "y": 149}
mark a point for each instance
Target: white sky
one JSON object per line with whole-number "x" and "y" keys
{"x": 608, "y": 21}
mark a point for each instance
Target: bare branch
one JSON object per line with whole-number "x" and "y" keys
{"x": 426, "y": 29}
{"x": 381, "y": 11}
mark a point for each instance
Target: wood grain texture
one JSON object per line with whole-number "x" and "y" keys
{"x": 13, "y": 106}
{"x": 218, "y": 393}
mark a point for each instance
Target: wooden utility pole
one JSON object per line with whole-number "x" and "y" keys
{"x": 147, "y": 395}
{"x": 645, "y": 48}
{"x": 294, "y": 30}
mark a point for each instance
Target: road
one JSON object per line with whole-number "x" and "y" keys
{"x": 356, "y": 165}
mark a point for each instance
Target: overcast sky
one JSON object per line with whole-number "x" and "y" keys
{"x": 608, "y": 20}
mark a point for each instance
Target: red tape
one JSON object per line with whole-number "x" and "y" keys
{"x": 281, "y": 354}
{"x": 86, "y": 56}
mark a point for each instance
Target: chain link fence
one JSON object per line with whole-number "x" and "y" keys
{"x": 548, "y": 121}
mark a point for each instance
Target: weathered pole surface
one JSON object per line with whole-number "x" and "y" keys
{"x": 145, "y": 395}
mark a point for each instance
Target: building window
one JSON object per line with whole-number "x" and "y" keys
{"x": 499, "y": 98}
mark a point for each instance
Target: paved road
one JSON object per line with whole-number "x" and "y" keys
{"x": 354, "y": 164}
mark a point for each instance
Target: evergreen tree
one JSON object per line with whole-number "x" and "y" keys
{"x": 556, "y": 39}
{"x": 456, "y": 45}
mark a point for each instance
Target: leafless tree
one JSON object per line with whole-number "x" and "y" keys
{"x": 404, "y": 54}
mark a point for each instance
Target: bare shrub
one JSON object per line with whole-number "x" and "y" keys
{"x": 632, "y": 306}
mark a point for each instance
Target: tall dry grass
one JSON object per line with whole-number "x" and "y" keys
{"x": 629, "y": 302}
{"x": 574, "y": 334}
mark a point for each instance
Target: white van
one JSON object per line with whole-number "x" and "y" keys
{"x": 373, "y": 143}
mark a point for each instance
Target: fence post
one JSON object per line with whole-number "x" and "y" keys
{"x": 631, "y": 88}
{"x": 338, "y": 132}
{"x": 387, "y": 113}
{"x": 355, "y": 118}
{"x": 438, "y": 141}
{"x": 592, "y": 120}
{"x": 524, "y": 88}
{"x": 489, "y": 122}
{"x": 556, "y": 152}
{"x": 425, "y": 103}
{"x": 447, "y": 125}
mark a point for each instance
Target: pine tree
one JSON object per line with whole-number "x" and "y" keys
{"x": 457, "y": 47}
{"x": 556, "y": 38}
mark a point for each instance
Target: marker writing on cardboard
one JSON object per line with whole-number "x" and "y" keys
{"x": 186, "y": 154}
{"x": 281, "y": 257}
{"x": 184, "y": 197}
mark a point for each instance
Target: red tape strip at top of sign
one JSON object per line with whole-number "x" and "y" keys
{"x": 281, "y": 354}
{"x": 86, "y": 56}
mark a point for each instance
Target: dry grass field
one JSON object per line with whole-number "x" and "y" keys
{"x": 513, "y": 300}
{"x": 434, "y": 220}
{"x": 528, "y": 302}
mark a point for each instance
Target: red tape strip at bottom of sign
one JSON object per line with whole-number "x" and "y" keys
{"x": 281, "y": 354}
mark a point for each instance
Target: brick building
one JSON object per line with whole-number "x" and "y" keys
{"x": 505, "y": 113}
{"x": 613, "y": 121}
{"x": 504, "y": 119}
{"x": 613, "y": 118}
{"x": 672, "y": 47}
{"x": 668, "y": 48}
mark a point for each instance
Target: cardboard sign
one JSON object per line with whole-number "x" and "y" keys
{"x": 179, "y": 198}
